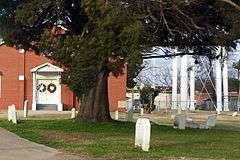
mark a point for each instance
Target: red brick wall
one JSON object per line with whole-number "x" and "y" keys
{"x": 117, "y": 89}
{"x": 12, "y": 65}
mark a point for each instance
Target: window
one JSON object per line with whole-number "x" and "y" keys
{"x": 1, "y": 74}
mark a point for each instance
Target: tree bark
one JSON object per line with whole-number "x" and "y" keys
{"x": 95, "y": 104}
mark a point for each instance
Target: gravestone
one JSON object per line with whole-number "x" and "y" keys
{"x": 12, "y": 114}
{"x": 180, "y": 121}
{"x": 14, "y": 117}
{"x": 129, "y": 112}
{"x": 25, "y": 109}
{"x": 73, "y": 113}
{"x": 211, "y": 121}
{"x": 142, "y": 133}
{"x": 9, "y": 113}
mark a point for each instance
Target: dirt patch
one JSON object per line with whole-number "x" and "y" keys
{"x": 84, "y": 138}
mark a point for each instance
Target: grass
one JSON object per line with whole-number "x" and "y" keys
{"x": 116, "y": 140}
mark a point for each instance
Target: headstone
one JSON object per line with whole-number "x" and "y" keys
{"x": 9, "y": 113}
{"x": 234, "y": 114}
{"x": 116, "y": 115}
{"x": 142, "y": 133}
{"x": 73, "y": 114}
{"x": 12, "y": 114}
{"x": 211, "y": 121}
{"x": 129, "y": 114}
{"x": 11, "y": 108}
{"x": 180, "y": 121}
{"x": 141, "y": 111}
{"x": 25, "y": 109}
{"x": 14, "y": 117}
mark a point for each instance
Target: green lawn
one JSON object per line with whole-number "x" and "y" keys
{"x": 116, "y": 140}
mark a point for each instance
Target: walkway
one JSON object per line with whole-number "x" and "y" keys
{"x": 13, "y": 147}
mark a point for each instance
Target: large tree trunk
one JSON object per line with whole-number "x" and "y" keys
{"x": 95, "y": 104}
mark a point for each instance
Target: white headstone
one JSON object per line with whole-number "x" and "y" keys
{"x": 11, "y": 108}
{"x": 25, "y": 109}
{"x": 211, "y": 120}
{"x": 234, "y": 114}
{"x": 9, "y": 113}
{"x": 73, "y": 115}
{"x": 141, "y": 111}
{"x": 142, "y": 133}
{"x": 180, "y": 121}
{"x": 116, "y": 115}
{"x": 14, "y": 117}
{"x": 12, "y": 114}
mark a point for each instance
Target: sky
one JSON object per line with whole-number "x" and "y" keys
{"x": 158, "y": 71}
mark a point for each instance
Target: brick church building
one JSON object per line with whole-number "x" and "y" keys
{"x": 27, "y": 76}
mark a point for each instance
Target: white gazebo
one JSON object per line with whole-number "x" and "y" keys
{"x": 47, "y": 87}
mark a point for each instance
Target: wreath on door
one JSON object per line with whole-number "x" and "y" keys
{"x": 41, "y": 87}
{"x": 52, "y": 88}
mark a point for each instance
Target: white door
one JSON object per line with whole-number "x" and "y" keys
{"x": 47, "y": 91}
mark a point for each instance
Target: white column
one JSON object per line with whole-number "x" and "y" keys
{"x": 218, "y": 82}
{"x": 184, "y": 82}
{"x": 192, "y": 85}
{"x": 34, "y": 103}
{"x": 174, "y": 81}
{"x": 225, "y": 82}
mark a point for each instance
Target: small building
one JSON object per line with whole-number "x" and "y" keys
{"x": 133, "y": 93}
{"x": 27, "y": 76}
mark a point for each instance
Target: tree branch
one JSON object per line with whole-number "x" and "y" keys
{"x": 173, "y": 55}
{"x": 231, "y": 3}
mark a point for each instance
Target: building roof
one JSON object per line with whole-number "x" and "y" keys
{"x": 47, "y": 67}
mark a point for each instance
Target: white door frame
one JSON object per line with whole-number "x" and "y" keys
{"x": 47, "y": 68}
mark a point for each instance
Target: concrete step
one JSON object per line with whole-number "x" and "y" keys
{"x": 46, "y": 107}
